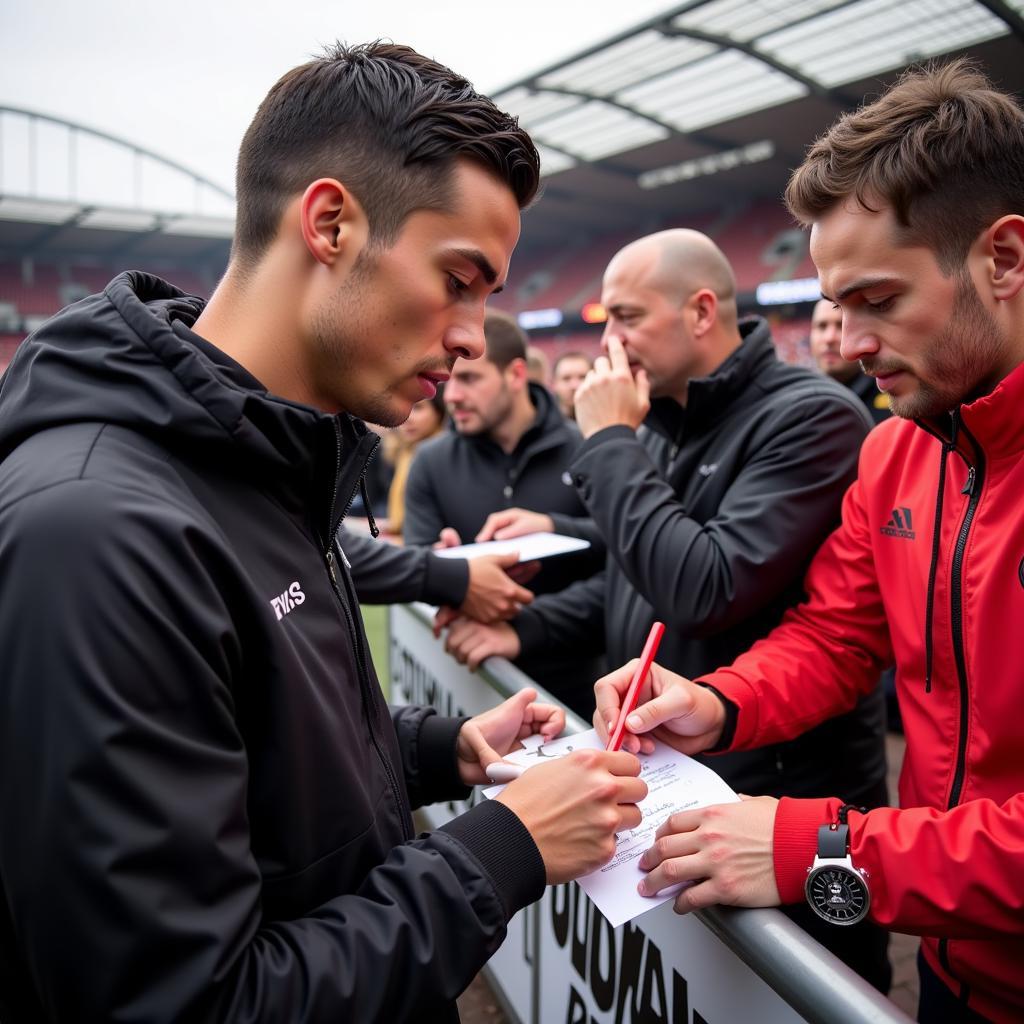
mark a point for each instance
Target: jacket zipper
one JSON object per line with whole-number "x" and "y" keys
{"x": 972, "y": 488}
{"x": 357, "y": 643}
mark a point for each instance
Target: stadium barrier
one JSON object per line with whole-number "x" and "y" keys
{"x": 561, "y": 962}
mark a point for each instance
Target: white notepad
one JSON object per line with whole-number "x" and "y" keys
{"x": 675, "y": 782}
{"x": 530, "y": 546}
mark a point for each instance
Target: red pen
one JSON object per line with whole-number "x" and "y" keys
{"x": 629, "y": 703}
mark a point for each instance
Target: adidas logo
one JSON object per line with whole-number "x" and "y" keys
{"x": 901, "y": 524}
{"x": 708, "y": 469}
{"x": 287, "y": 601}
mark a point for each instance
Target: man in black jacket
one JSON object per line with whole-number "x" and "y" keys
{"x": 711, "y": 511}
{"x": 204, "y": 802}
{"x": 509, "y": 448}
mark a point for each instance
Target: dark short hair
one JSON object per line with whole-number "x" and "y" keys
{"x": 942, "y": 147}
{"x": 505, "y": 339}
{"x": 387, "y": 122}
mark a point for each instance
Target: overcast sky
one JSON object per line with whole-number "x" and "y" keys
{"x": 184, "y": 78}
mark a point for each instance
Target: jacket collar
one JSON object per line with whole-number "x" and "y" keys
{"x": 708, "y": 399}
{"x": 995, "y": 421}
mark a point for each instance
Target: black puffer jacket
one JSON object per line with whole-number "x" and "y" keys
{"x": 204, "y": 801}
{"x": 711, "y": 514}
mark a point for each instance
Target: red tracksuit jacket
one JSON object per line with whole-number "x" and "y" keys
{"x": 927, "y": 570}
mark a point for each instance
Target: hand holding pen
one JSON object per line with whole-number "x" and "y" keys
{"x": 504, "y": 771}
{"x": 676, "y": 711}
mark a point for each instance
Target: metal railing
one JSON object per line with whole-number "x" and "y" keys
{"x": 814, "y": 982}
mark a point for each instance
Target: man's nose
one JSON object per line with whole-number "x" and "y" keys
{"x": 609, "y": 332}
{"x": 857, "y": 343}
{"x": 465, "y": 339}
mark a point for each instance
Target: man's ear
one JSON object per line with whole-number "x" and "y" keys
{"x": 704, "y": 307}
{"x": 518, "y": 373}
{"x": 332, "y": 221}
{"x": 1005, "y": 251}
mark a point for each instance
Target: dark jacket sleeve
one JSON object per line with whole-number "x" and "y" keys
{"x": 424, "y": 519}
{"x": 386, "y": 574}
{"x": 571, "y": 620}
{"x": 706, "y": 577}
{"x": 427, "y": 741}
{"x": 584, "y": 528}
{"x": 129, "y": 876}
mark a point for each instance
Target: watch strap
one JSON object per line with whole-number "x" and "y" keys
{"x": 833, "y": 841}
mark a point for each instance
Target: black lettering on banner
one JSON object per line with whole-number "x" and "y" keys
{"x": 630, "y": 961}
{"x": 681, "y": 1001}
{"x": 418, "y": 685}
{"x": 582, "y": 916}
{"x": 654, "y": 989}
{"x": 602, "y": 983}
{"x": 577, "y": 1012}
{"x": 620, "y": 968}
{"x": 560, "y": 904}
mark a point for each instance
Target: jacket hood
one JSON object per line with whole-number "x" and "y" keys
{"x": 116, "y": 358}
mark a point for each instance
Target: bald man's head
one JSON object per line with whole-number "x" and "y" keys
{"x": 671, "y": 301}
{"x": 678, "y": 263}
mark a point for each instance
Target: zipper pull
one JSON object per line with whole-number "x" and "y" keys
{"x": 330, "y": 566}
{"x": 969, "y": 486}
{"x": 341, "y": 551}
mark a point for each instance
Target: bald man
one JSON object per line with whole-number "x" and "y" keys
{"x": 826, "y": 334}
{"x": 714, "y": 471}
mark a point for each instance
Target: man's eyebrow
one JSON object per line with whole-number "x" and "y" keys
{"x": 858, "y": 286}
{"x": 482, "y": 263}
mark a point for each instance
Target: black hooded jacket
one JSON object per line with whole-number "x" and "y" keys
{"x": 204, "y": 801}
{"x": 711, "y": 514}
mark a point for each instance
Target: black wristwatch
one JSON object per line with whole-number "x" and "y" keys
{"x": 836, "y": 890}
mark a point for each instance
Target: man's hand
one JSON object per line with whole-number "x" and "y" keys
{"x": 724, "y": 850}
{"x": 471, "y": 642}
{"x": 574, "y": 806}
{"x": 489, "y": 737}
{"x": 610, "y": 395}
{"x": 448, "y": 538}
{"x": 514, "y": 522}
{"x": 491, "y": 594}
{"x": 687, "y": 717}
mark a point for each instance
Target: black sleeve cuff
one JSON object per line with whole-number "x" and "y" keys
{"x": 604, "y": 436}
{"x": 497, "y": 838}
{"x": 438, "y": 762}
{"x": 732, "y": 714}
{"x": 446, "y": 580}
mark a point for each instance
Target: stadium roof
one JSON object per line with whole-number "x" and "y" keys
{"x": 68, "y": 191}
{"x": 718, "y": 98}
{"x": 704, "y": 108}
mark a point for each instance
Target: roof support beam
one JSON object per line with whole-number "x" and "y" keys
{"x": 1007, "y": 14}
{"x": 813, "y": 86}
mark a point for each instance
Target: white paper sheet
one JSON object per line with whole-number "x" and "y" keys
{"x": 530, "y": 546}
{"x": 675, "y": 782}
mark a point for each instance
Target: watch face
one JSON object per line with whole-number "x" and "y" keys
{"x": 837, "y": 894}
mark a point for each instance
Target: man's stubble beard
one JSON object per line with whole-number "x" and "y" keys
{"x": 334, "y": 328}
{"x": 958, "y": 361}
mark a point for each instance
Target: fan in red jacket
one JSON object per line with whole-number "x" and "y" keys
{"x": 916, "y": 209}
